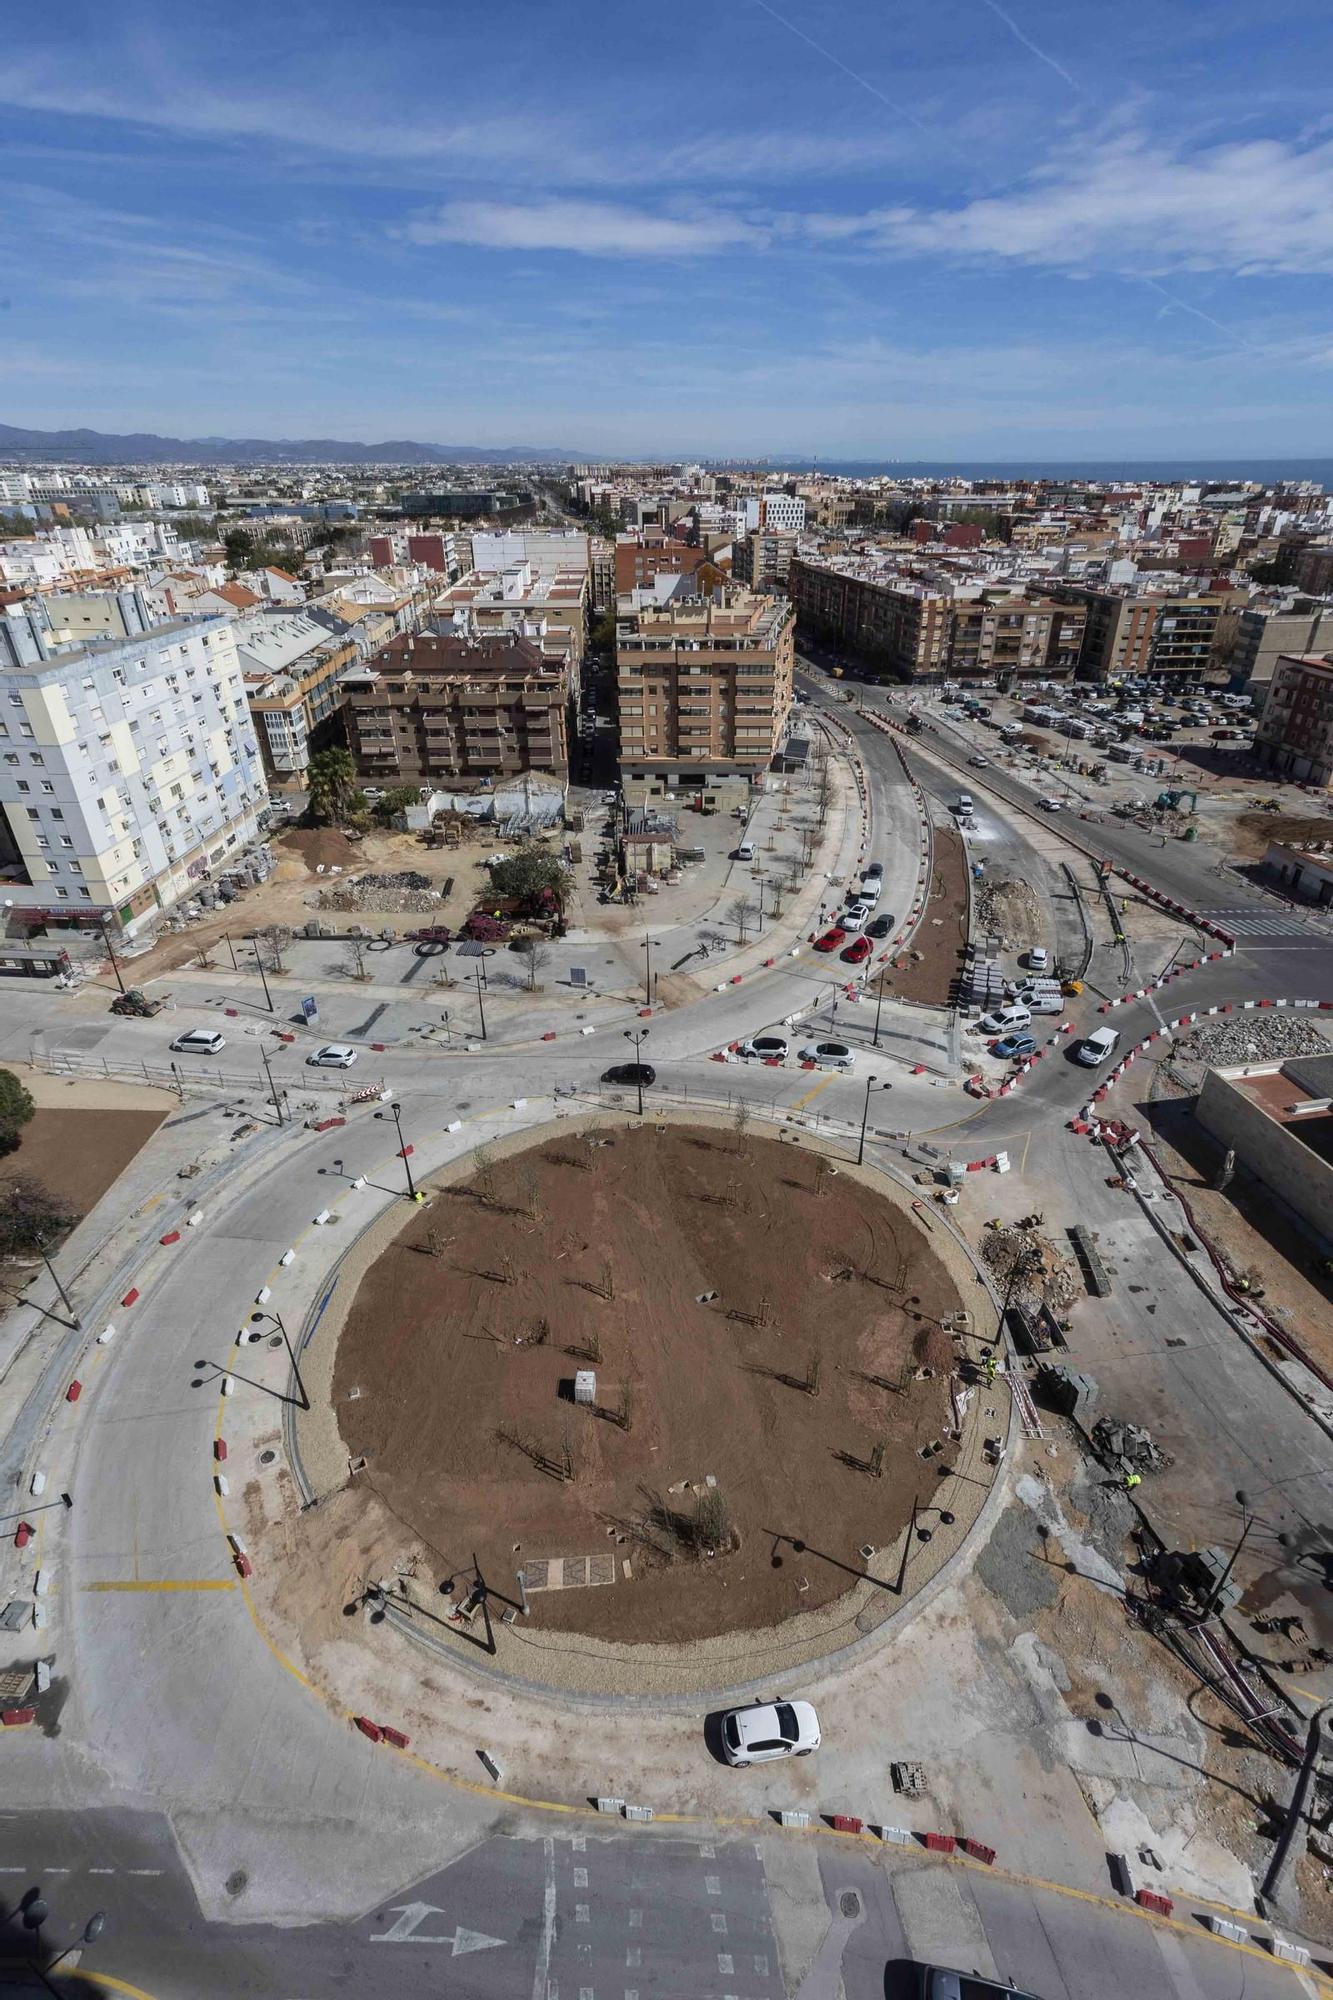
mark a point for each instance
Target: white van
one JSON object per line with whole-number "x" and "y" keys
{"x": 1041, "y": 998}
{"x": 964, "y": 808}
{"x": 1096, "y": 1047}
{"x": 745, "y": 852}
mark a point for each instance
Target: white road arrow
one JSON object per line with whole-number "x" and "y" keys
{"x": 408, "y": 1930}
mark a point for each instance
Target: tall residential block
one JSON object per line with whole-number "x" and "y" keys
{"x": 129, "y": 772}
{"x": 444, "y": 706}
{"x": 704, "y": 684}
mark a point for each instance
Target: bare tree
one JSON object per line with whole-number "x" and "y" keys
{"x": 530, "y": 1193}
{"x": 741, "y": 912}
{"x": 354, "y": 958}
{"x": 483, "y": 1174}
{"x": 710, "y": 1529}
{"x": 31, "y": 1217}
{"x": 740, "y": 1123}
{"x": 273, "y": 940}
{"x": 824, "y": 792}
{"x": 536, "y": 954}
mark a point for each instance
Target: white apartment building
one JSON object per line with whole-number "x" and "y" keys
{"x": 129, "y": 773}
{"x": 783, "y": 510}
{"x": 15, "y": 489}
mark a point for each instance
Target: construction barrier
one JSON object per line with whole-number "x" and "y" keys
{"x": 74, "y": 1391}
{"x": 939, "y": 1843}
{"x": 1149, "y": 1899}
{"x": 846, "y": 1823}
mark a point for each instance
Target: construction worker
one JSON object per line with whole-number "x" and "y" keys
{"x": 1132, "y": 1479}
{"x": 990, "y": 1370}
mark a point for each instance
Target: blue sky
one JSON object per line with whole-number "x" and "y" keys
{"x": 874, "y": 230}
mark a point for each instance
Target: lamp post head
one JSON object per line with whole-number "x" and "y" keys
{"x": 1242, "y": 1499}
{"x": 94, "y": 1927}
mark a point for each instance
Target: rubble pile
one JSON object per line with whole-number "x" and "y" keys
{"x": 1007, "y": 909}
{"x": 1029, "y": 1270}
{"x": 405, "y": 890}
{"x": 1126, "y": 1447}
{"x": 1255, "y": 1037}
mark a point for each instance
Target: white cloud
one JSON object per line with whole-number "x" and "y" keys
{"x": 588, "y": 228}
{"x": 1261, "y": 206}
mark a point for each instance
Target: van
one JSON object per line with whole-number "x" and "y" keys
{"x": 1040, "y": 999}
{"x": 1096, "y": 1047}
{"x": 964, "y": 807}
{"x": 745, "y": 852}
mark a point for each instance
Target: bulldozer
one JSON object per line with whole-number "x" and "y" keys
{"x": 136, "y": 1002}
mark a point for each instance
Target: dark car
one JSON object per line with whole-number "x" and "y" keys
{"x": 640, "y": 1074}
{"x": 937, "y": 1983}
{"x": 880, "y": 928}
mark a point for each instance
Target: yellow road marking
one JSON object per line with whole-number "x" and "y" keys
{"x": 169, "y": 1583}
{"x": 813, "y": 1091}
{"x": 108, "y": 1981}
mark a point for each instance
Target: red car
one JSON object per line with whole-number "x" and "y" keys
{"x": 858, "y": 949}
{"x": 831, "y": 940}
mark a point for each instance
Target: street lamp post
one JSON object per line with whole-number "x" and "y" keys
{"x": 865, "y": 1119}
{"x": 879, "y": 1008}
{"x": 281, "y": 1325}
{"x": 403, "y": 1149}
{"x": 272, "y": 1087}
{"x": 481, "y": 1005}
{"x": 648, "y": 970}
{"x": 259, "y": 961}
{"x": 33, "y": 1913}
{"x": 1243, "y": 1502}
{"x": 638, "y": 1036}
{"x": 111, "y": 954}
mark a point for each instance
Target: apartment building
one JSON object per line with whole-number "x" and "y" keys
{"x": 650, "y": 552}
{"x": 1134, "y": 631}
{"x": 290, "y": 665}
{"x": 920, "y": 625}
{"x": 1295, "y": 733}
{"x": 1312, "y": 569}
{"x": 704, "y": 685}
{"x": 439, "y": 705}
{"x": 764, "y": 557}
{"x": 129, "y": 772}
{"x": 783, "y": 510}
{"x": 550, "y": 606}
{"x": 1263, "y": 636}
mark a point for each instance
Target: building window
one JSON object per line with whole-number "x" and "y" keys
{"x": 64, "y": 893}
{"x": 56, "y": 813}
{"x": 87, "y": 895}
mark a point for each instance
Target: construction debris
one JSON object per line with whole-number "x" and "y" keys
{"x": 1252, "y": 1037}
{"x": 1009, "y": 908}
{"x": 1029, "y": 1269}
{"x": 405, "y": 890}
{"x": 1124, "y": 1447}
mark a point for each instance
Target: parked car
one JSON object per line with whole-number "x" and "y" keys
{"x": 1096, "y": 1047}
{"x": 638, "y": 1075}
{"x": 857, "y": 951}
{"x": 880, "y": 928}
{"x": 199, "y": 1042}
{"x": 765, "y": 1048}
{"x": 855, "y": 917}
{"x": 1013, "y": 1045}
{"x": 938, "y": 1983}
{"x": 1041, "y": 999}
{"x": 872, "y": 871}
{"x": 869, "y": 891}
{"x": 831, "y": 939}
{"x": 745, "y": 852}
{"x": 1038, "y": 958}
{"x": 768, "y": 1731}
{"x": 333, "y": 1055}
{"x": 828, "y": 1055}
{"x": 1004, "y": 1020}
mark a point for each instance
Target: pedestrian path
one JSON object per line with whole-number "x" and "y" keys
{"x": 1250, "y": 920}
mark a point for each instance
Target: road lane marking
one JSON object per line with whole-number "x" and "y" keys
{"x": 169, "y": 1583}
{"x": 814, "y": 1091}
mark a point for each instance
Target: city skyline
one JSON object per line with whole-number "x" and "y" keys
{"x": 975, "y": 234}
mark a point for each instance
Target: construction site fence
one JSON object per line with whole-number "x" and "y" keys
{"x": 725, "y": 1103}
{"x": 174, "y": 1076}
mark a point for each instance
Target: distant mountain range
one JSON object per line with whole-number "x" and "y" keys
{"x": 85, "y": 447}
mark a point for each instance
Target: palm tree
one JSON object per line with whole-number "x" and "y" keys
{"x": 332, "y": 782}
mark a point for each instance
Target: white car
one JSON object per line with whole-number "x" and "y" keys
{"x": 1049, "y": 805}
{"x": 1038, "y": 958}
{"x": 1096, "y": 1047}
{"x": 765, "y": 1048}
{"x": 979, "y": 763}
{"x": 772, "y": 1729}
{"x": 199, "y": 1042}
{"x": 1004, "y": 1020}
{"x": 854, "y": 919}
{"x": 333, "y": 1055}
{"x": 828, "y": 1055}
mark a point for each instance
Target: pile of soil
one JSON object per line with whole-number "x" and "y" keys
{"x": 730, "y": 1280}
{"x": 1254, "y": 830}
{"x": 321, "y": 847}
{"x": 929, "y": 969}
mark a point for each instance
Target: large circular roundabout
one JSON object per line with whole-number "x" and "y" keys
{"x": 669, "y": 1391}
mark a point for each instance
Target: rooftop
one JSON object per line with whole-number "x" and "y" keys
{"x": 1297, "y": 1094}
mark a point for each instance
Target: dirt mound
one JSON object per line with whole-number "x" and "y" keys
{"x": 320, "y": 847}
{"x": 759, "y": 1349}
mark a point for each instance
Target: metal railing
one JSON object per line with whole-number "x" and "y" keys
{"x": 173, "y": 1076}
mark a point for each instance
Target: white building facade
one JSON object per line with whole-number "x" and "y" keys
{"x": 129, "y": 773}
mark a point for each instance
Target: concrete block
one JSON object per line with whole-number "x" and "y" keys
{"x": 263, "y": 1295}
{"x": 897, "y": 1835}
{"x": 520, "y": 1104}
{"x": 1290, "y": 1954}
{"x": 638, "y": 1812}
{"x": 106, "y": 1336}
{"x": 359, "y": 1182}
{"x": 454, "y": 1125}
{"x": 221, "y": 1483}
{"x": 616, "y": 1806}
{"x": 491, "y": 1764}
{"x": 228, "y": 1386}
{"x": 322, "y": 1217}
{"x": 287, "y": 1257}
{"x": 1223, "y": 1927}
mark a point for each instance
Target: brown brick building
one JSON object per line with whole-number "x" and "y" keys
{"x": 916, "y": 627}
{"x": 651, "y": 552}
{"x": 704, "y": 684}
{"x": 432, "y": 707}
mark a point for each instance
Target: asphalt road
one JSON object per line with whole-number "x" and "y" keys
{"x": 173, "y": 1702}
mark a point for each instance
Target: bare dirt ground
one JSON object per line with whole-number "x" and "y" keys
{"x": 927, "y": 971}
{"x": 466, "y": 1333}
{"x": 78, "y": 1153}
{"x": 1252, "y": 831}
